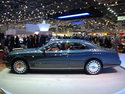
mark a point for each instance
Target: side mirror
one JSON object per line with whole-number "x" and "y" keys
{"x": 44, "y": 49}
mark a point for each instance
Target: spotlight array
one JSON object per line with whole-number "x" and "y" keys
{"x": 112, "y": 11}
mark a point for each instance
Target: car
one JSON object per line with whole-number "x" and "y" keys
{"x": 63, "y": 54}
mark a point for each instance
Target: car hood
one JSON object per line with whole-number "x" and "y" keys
{"x": 24, "y": 51}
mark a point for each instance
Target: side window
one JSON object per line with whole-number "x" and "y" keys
{"x": 77, "y": 46}
{"x": 53, "y": 47}
{"x": 58, "y": 46}
{"x": 65, "y": 46}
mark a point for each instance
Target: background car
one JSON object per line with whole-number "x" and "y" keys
{"x": 63, "y": 54}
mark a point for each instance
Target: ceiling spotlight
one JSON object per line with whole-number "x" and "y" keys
{"x": 43, "y": 6}
{"x": 108, "y": 8}
{"x": 116, "y": 2}
{"x": 112, "y": 11}
{"x": 57, "y": 6}
{"x": 2, "y": 1}
{"x": 99, "y": 3}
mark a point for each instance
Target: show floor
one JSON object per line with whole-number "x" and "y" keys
{"x": 109, "y": 81}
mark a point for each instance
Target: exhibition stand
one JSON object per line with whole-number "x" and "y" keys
{"x": 122, "y": 58}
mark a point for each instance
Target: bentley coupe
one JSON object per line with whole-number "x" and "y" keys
{"x": 61, "y": 54}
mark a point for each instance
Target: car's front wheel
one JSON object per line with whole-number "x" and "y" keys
{"x": 93, "y": 67}
{"x": 20, "y": 67}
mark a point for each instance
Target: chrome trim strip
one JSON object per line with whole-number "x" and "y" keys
{"x": 58, "y": 68}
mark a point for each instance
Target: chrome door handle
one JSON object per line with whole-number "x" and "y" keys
{"x": 64, "y": 53}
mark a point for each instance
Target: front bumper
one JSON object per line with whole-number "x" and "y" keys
{"x": 8, "y": 65}
{"x": 8, "y": 60}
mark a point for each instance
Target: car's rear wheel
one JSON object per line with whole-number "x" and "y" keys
{"x": 93, "y": 67}
{"x": 20, "y": 67}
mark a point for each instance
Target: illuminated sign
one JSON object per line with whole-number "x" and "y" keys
{"x": 78, "y": 23}
{"x": 74, "y": 15}
{"x": 37, "y": 27}
{"x": 105, "y": 33}
{"x": 121, "y": 18}
{"x": 32, "y": 28}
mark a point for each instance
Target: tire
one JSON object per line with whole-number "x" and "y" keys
{"x": 93, "y": 67}
{"x": 19, "y": 67}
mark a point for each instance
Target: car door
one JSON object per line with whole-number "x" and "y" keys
{"x": 77, "y": 55}
{"x": 57, "y": 59}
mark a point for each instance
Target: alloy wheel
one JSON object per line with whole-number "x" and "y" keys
{"x": 93, "y": 67}
{"x": 19, "y": 67}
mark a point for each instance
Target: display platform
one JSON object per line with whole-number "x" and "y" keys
{"x": 109, "y": 81}
{"x": 122, "y": 58}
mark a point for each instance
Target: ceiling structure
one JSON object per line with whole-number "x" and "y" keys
{"x": 32, "y": 11}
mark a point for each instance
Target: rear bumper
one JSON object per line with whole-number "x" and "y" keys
{"x": 112, "y": 64}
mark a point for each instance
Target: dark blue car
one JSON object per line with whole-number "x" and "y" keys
{"x": 63, "y": 54}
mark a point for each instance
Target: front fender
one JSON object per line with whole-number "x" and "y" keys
{"x": 19, "y": 57}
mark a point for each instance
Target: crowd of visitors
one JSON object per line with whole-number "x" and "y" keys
{"x": 34, "y": 41}
{"x": 103, "y": 41}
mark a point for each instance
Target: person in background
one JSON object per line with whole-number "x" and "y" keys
{"x": 25, "y": 42}
{"x": 9, "y": 43}
{"x": 31, "y": 41}
{"x": 81, "y": 37}
{"x": 2, "y": 40}
{"x": 109, "y": 43}
{"x": 48, "y": 38}
{"x": 101, "y": 41}
{"x": 17, "y": 42}
{"x": 41, "y": 41}
{"x": 44, "y": 40}
{"x": 36, "y": 41}
{"x": 64, "y": 37}
{"x": 106, "y": 42}
{"x": 115, "y": 42}
{"x": 28, "y": 42}
{"x": 86, "y": 38}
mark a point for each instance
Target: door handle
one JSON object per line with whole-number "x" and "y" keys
{"x": 64, "y": 53}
